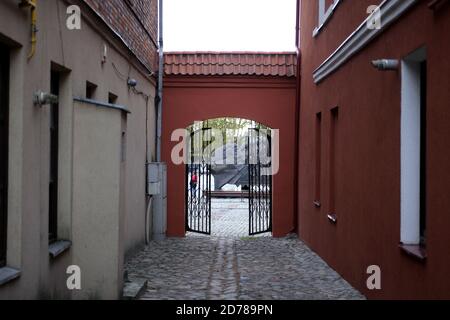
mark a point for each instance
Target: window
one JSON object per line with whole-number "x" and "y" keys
{"x": 413, "y": 149}
{"x": 332, "y": 162}
{"x": 4, "y": 136}
{"x": 322, "y": 11}
{"x": 112, "y": 98}
{"x": 90, "y": 90}
{"x": 60, "y": 155}
{"x": 54, "y": 151}
{"x": 423, "y": 153}
{"x": 325, "y": 11}
{"x": 318, "y": 165}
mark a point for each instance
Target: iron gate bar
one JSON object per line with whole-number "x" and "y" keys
{"x": 198, "y": 195}
{"x": 260, "y": 189}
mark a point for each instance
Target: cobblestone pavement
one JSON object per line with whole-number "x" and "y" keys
{"x": 229, "y": 217}
{"x": 229, "y": 265}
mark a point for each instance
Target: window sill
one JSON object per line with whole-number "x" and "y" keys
{"x": 57, "y": 248}
{"x": 8, "y": 274}
{"x": 415, "y": 251}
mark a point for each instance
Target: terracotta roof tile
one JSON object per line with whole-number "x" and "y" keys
{"x": 282, "y": 64}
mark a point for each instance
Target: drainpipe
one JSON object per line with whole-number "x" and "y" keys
{"x": 297, "y": 121}
{"x": 160, "y": 83}
{"x": 160, "y": 199}
{"x": 32, "y": 4}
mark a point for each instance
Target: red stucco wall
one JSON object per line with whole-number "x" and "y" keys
{"x": 270, "y": 101}
{"x": 368, "y": 151}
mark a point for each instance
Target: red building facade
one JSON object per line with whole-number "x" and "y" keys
{"x": 375, "y": 140}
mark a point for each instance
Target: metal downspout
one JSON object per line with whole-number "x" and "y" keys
{"x": 159, "y": 200}
{"x": 160, "y": 83}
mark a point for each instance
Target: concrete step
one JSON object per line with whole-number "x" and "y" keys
{"x": 133, "y": 289}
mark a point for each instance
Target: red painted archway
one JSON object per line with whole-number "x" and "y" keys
{"x": 268, "y": 100}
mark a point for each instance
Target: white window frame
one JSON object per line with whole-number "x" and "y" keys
{"x": 324, "y": 14}
{"x": 410, "y": 148}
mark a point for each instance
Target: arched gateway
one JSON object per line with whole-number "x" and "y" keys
{"x": 256, "y": 86}
{"x": 229, "y": 153}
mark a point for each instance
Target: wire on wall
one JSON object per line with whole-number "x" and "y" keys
{"x": 127, "y": 78}
{"x": 119, "y": 74}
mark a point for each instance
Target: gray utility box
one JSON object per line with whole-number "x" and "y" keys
{"x": 157, "y": 188}
{"x": 157, "y": 179}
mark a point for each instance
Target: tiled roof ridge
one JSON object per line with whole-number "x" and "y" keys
{"x": 232, "y": 52}
{"x": 231, "y": 62}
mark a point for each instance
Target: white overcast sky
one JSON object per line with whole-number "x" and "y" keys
{"x": 229, "y": 25}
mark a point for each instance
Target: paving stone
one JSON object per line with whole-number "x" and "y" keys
{"x": 229, "y": 265}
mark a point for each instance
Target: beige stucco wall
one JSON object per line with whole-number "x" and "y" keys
{"x": 96, "y": 199}
{"x": 92, "y": 179}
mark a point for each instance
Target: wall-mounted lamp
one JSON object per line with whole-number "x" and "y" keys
{"x": 43, "y": 98}
{"x": 386, "y": 64}
{"x": 132, "y": 83}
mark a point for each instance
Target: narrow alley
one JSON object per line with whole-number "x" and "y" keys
{"x": 225, "y": 150}
{"x": 230, "y": 265}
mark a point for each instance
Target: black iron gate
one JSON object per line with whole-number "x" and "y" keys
{"x": 198, "y": 183}
{"x": 259, "y": 151}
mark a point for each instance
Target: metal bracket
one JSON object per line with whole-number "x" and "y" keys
{"x": 386, "y": 64}
{"x": 43, "y": 98}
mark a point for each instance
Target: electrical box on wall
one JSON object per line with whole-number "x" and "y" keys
{"x": 156, "y": 178}
{"x": 157, "y": 188}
